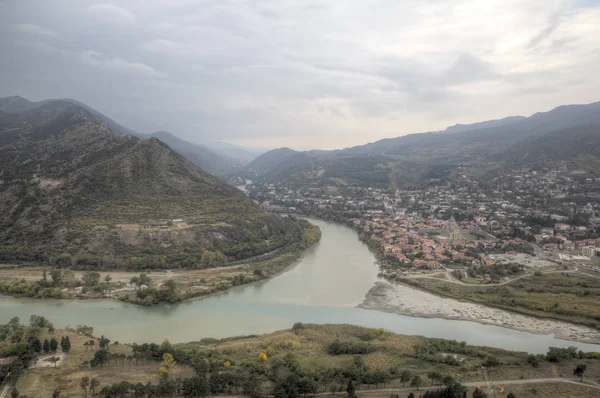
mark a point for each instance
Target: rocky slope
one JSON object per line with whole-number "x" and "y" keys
{"x": 75, "y": 192}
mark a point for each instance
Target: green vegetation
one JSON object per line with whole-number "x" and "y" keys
{"x": 564, "y": 296}
{"x": 200, "y": 280}
{"x": 95, "y": 199}
{"x": 289, "y": 363}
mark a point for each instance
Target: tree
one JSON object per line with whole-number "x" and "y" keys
{"x": 448, "y": 381}
{"x": 579, "y": 371}
{"x": 14, "y": 393}
{"x": 351, "y": 390}
{"x": 107, "y": 278}
{"x": 56, "y": 394}
{"x": 90, "y": 278}
{"x": 56, "y": 275}
{"x": 416, "y": 382}
{"x": 54, "y": 360}
{"x": 250, "y": 387}
{"x": 511, "y": 395}
{"x": 168, "y": 363}
{"x": 34, "y": 344}
{"x": 53, "y": 344}
{"x": 94, "y": 383}
{"x": 533, "y": 360}
{"x": 85, "y": 382}
{"x": 85, "y": 330}
{"x": 104, "y": 342}
{"x": 46, "y": 345}
{"x": 195, "y": 387}
{"x": 434, "y": 376}
{"x": 405, "y": 376}
{"x": 36, "y": 321}
{"x": 479, "y": 393}
{"x": 411, "y": 395}
{"x": 169, "y": 285}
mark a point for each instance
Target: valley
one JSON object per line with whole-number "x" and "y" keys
{"x": 470, "y": 252}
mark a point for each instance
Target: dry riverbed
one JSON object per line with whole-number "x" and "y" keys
{"x": 401, "y": 299}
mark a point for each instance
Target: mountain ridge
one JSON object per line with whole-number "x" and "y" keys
{"x": 417, "y": 157}
{"x": 72, "y": 189}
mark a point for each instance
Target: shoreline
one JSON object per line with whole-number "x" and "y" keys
{"x": 290, "y": 266}
{"x": 406, "y": 300}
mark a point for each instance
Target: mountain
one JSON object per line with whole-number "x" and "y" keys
{"x": 418, "y": 158}
{"x": 460, "y": 128}
{"x": 202, "y": 156}
{"x": 471, "y": 139}
{"x": 18, "y": 104}
{"x": 75, "y": 192}
{"x": 578, "y": 146}
{"x": 243, "y": 155}
{"x": 274, "y": 159}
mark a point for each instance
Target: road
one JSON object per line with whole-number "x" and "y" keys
{"x": 452, "y": 279}
{"x": 501, "y": 383}
{"x": 5, "y": 390}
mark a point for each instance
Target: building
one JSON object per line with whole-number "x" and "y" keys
{"x": 589, "y": 251}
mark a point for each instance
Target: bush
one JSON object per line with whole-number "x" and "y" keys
{"x": 349, "y": 348}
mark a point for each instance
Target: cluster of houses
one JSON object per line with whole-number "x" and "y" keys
{"x": 507, "y": 207}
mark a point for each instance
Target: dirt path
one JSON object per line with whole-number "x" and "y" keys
{"x": 451, "y": 279}
{"x": 5, "y": 390}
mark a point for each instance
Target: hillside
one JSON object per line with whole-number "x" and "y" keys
{"x": 304, "y": 361}
{"x": 417, "y": 159}
{"x": 577, "y": 146}
{"x": 73, "y": 191}
{"x": 273, "y": 160}
{"x": 18, "y": 104}
{"x": 202, "y": 156}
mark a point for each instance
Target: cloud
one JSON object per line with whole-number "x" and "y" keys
{"x": 119, "y": 65}
{"x": 167, "y": 47}
{"x": 552, "y": 25}
{"x": 35, "y": 30}
{"x": 320, "y": 73}
{"x": 112, "y": 14}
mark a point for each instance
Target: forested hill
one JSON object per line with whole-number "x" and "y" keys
{"x": 74, "y": 191}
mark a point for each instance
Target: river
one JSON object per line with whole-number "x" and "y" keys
{"x": 325, "y": 287}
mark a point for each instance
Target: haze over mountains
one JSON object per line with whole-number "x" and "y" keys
{"x": 214, "y": 157}
{"x": 562, "y": 134}
{"x": 72, "y": 185}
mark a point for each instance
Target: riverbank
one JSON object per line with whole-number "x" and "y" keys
{"x": 323, "y": 357}
{"x": 405, "y": 300}
{"x": 154, "y": 287}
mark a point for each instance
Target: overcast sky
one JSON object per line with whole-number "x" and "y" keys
{"x": 302, "y": 73}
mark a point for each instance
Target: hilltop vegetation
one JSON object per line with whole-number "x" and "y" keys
{"x": 73, "y": 192}
{"x": 289, "y": 363}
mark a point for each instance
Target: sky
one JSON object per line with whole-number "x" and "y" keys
{"x": 307, "y": 74}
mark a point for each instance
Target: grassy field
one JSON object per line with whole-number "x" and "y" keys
{"x": 42, "y": 382}
{"x": 566, "y": 296}
{"x": 391, "y": 352}
{"x": 542, "y": 390}
{"x": 307, "y": 350}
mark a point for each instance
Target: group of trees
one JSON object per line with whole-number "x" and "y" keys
{"x": 349, "y": 348}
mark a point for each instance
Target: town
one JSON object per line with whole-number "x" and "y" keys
{"x": 550, "y": 216}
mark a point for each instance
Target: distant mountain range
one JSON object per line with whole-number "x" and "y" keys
{"x": 214, "y": 157}
{"x": 77, "y": 188}
{"x": 413, "y": 159}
